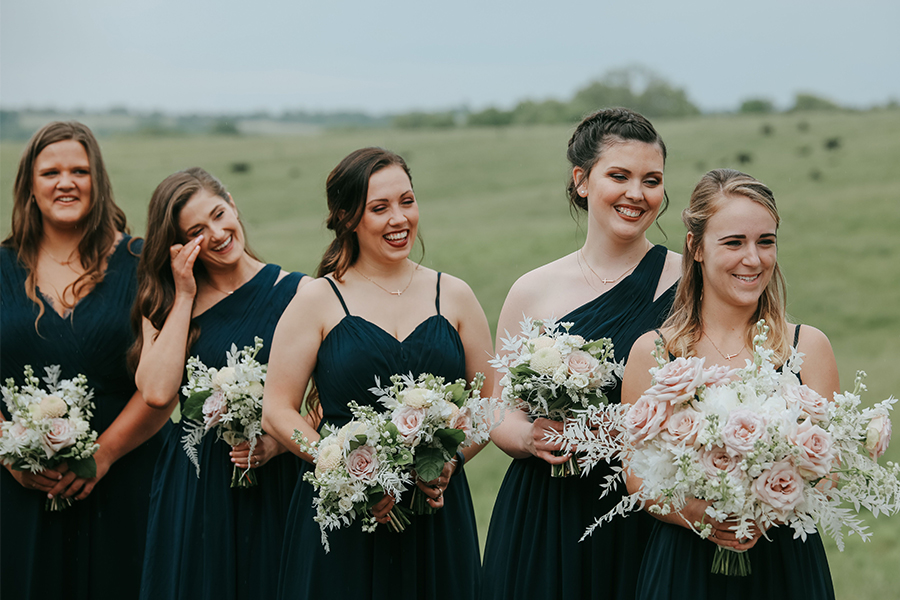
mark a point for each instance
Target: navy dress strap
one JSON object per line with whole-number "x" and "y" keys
{"x": 437, "y": 295}
{"x": 796, "y": 335}
{"x": 338, "y": 294}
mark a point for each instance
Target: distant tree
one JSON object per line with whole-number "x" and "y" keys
{"x": 638, "y": 88}
{"x": 757, "y": 106}
{"x": 225, "y": 127}
{"x": 490, "y": 117}
{"x": 420, "y": 120}
{"x": 546, "y": 112}
{"x": 804, "y": 102}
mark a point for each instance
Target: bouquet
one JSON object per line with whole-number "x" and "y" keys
{"x": 356, "y": 466}
{"x": 434, "y": 420}
{"x": 553, "y": 374}
{"x": 49, "y": 427}
{"x": 227, "y": 399}
{"x": 762, "y": 449}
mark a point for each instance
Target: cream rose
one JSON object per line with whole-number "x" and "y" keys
{"x": 350, "y": 431}
{"x": 329, "y": 458}
{"x": 462, "y": 420}
{"x": 409, "y": 422}
{"x": 415, "y": 398}
{"x": 742, "y": 430}
{"x": 781, "y": 487}
{"x": 362, "y": 463}
{"x": 816, "y": 452}
{"x": 718, "y": 459}
{"x": 53, "y": 407}
{"x": 213, "y": 409}
{"x": 546, "y": 360}
{"x": 810, "y": 402}
{"x": 255, "y": 389}
{"x": 678, "y": 380}
{"x": 878, "y": 435}
{"x": 223, "y": 377}
{"x": 646, "y": 418}
{"x": 580, "y": 362}
{"x": 576, "y": 340}
{"x": 541, "y": 342}
{"x": 61, "y": 434}
{"x": 682, "y": 427}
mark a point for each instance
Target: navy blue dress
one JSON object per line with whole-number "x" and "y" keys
{"x": 94, "y": 548}
{"x": 206, "y": 540}
{"x": 677, "y": 565}
{"x": 437, "y": 555}
{"x": 532, "y": 548}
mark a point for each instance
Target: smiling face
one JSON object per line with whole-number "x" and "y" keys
{"x": 217, "y": 219}
{"x": 624, "y": 189}
{"x": 391, "y": 216}
{"x": 62, "y": 184}
{"x": 738, "y": 252}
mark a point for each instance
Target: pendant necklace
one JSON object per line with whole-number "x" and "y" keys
{"x": 725, "y": 356}
{"x": 604, "y": 280}
{"x": 393, "y": 293}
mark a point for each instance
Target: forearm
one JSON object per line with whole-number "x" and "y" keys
{"x": 280, "y": 422}
{"x": 514, "y": 434}
{"x": 161, "y": 368}
{"x": 135, "y": 425}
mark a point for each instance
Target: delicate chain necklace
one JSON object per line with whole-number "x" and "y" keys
{"x": 210, "y": 283}
{"x": 393, "y": 293}
{"x": 605, "y": 280}
{"x": 64, "y": 263}
{"x": 725, "y": 356}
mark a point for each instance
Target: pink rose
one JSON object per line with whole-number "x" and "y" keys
{"x": 878, "y": 435}
{"x": 409, "y": 422}
{"x": 462, "y": 420}
{"x": 678, "y": 380}
{"x": 213, "y": 409}
{"x": 816, "y": 454}
{"x": 718, "y": 375}
{"x": 18, "y": 430}
{"x": 683, "y": 426}
{"x": 362, "y": 463}
{"x": 718, "y": 459}
{"x": 810, "y": 403}
{"x": 781, "y": 487}
{"x": 646, "y": 418}
{"x": 61, "y": 435}
{"x": 580, "y": 361}
{"x": 742, "y": 430}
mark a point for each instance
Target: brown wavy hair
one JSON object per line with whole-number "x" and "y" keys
{"x": 156, "y": 284}
{"x": 714, "y": 189}
{"x": 104, "y": 221}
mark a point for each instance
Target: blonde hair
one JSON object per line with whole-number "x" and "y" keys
{"x": 685, "y": 322}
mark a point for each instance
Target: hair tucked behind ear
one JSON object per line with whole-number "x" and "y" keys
{"x": 715, "y": 189}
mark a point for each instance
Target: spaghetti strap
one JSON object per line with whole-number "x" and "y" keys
{"x": 437, "y": 295}
{"x": 796, "y": 336}
{"x": 338, "y": 294}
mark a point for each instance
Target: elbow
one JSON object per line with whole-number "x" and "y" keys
{"x": 158, "y": 401}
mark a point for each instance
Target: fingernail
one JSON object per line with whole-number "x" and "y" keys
{"x": 58, "y": 477}
{"x": 49, "y": 496}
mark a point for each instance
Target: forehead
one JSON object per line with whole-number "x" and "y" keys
{"x": 740, "y": 215}
{"x": 632, "y": 154}
{"x": 198, "y": 208}
{"x": 389, "y": 181}
{"x": 65, "y": 151}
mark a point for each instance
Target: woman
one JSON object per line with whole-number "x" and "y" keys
{"x": 375, "y": 313}
{"x": 730, "y": 280}
{"x": 68, "y": 282}
{"x": 618, "y": 285}
{"x": 202, "y": 290}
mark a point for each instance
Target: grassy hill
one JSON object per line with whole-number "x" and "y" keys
{"x": 493, "y": 207}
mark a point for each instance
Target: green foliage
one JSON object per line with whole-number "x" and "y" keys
{"x": 193, "y": 406}
{"x": 429, "y": 463}
{"x": 84, "y": 468}
{"x": 490, "y": 117}
{"x": 424, "y": 120}
{"x": 804, "y": 102}
{"x": 757, "y": 106}
{"x": 225, "y": 127}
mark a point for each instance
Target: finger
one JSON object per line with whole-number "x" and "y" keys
{"x": 192, "y": 257}
{"x": 61, "y": 485}
{"x": 86, "y": 490}
{"x": 75, "y": 487}
{"x": 552, "y": 458}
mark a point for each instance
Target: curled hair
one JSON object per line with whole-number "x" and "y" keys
{"x": 156, "y": 284}
{"x": 714, "y": 189}
{"x": 595, "y": 134}
{"x": 104, "y": 221}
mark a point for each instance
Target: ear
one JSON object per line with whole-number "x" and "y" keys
{"x": 578, "y": 176}
{"x": 696, "y": 253}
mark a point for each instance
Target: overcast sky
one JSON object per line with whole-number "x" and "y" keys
{"x": 380, "y": 57}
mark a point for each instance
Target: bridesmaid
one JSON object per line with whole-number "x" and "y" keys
{"x": 68, "y": 283}
{"x": 618, "y": 285}
{"x": 374, "y": 312}
{"x": 202, "y": 290}
{"x": 730, "y": 280}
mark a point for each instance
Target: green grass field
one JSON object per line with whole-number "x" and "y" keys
{"x": 493, "y": 207}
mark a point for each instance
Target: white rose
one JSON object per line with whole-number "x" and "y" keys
{"x": 53, "y": 407}
{"x": 255, "y": 389}
{"x": 345, "y": 504}
{"x": 576, "y": 340}
{"x": 543, "y": 341}
{"x": 223, "y": 377}
{"x": 878, "y": 435}
{"x": 415, "y": 398}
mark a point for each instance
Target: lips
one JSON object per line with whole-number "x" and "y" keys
{"x": 746, "y": 278}
{"x": 224, "y": 245}
{"x": 629, "y": 212}
{"x": 66, "y": 199}
{"x": 397, "y": 238}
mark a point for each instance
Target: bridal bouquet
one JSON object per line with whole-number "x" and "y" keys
{"x": 763, "y": 449}
{"x": 551, "y": 373}
{"x": 435, "y": 419}
{"x": 49, "y": 427}
{"x": 356, "y": 466}
{"x": 227, "y": 399}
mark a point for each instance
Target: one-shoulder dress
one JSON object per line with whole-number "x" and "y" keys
{"x": 206, "y": 540}
{"x": 436, "y": 557}
{"x": 94, "y": 548}
{"x": 532, "y": 548}
{"x": 677, "y": 566}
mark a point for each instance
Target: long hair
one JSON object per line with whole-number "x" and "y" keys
{"x": 156, "y": 284}
{"x": 346, "y": 189}
{"x": 101, "y": 225}
{"x": 714, "y": 189}
{"x": 595, "y": 134}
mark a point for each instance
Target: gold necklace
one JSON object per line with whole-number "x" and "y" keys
{"x": 604, "y": 280}
{"x": 210, "y": 284}
{"x": 725, "y": 356}
{"x": 65, "y": 263}
{"x": 393, "y": 293}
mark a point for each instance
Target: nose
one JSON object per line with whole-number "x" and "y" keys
{"x": 751, "y": 256}
{"x": 65, "y": 181}
{"x": 634, "y": 190}
{"x": 397, "y": 216}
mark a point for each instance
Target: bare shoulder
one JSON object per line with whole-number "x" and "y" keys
{"x": 812, "y": 341}
{"x": 550, "y": 290}
{"x": 819, "y": 369}
{"x": 671, "y": 272}
{"x": 644, "y": 346}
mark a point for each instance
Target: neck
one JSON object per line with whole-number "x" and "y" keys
{"x": 612, "y": 254}
{"x": 373, "y": 268}
{"x": 63, "y": 243}
{"x": 722, "y": 321}
{"x": 231, "y": 278}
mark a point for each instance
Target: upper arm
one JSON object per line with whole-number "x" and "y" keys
{"x": 473, "y": 329}
{"x": 637, "y": 377}
{"x": 819, "y": 370}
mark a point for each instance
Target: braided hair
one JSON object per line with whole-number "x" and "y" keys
{"x": 595, "y": 133}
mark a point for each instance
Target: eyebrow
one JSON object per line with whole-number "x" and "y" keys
{"x": 409, "y": 191}
{"x": 617, "y": 168}
{"x": 741, "y": 236}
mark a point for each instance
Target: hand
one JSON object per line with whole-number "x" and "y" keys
{"x": 540, "y": 447}
{"x": 266, "y": 449}
{"x": 183, "y": 258}
{"x": 80, "y": 488}
{"x": 723, "y": 533}
{"x": 45, "y": 481}
{"x": 381, "y": 509}
{"x": 434, "y": 489}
